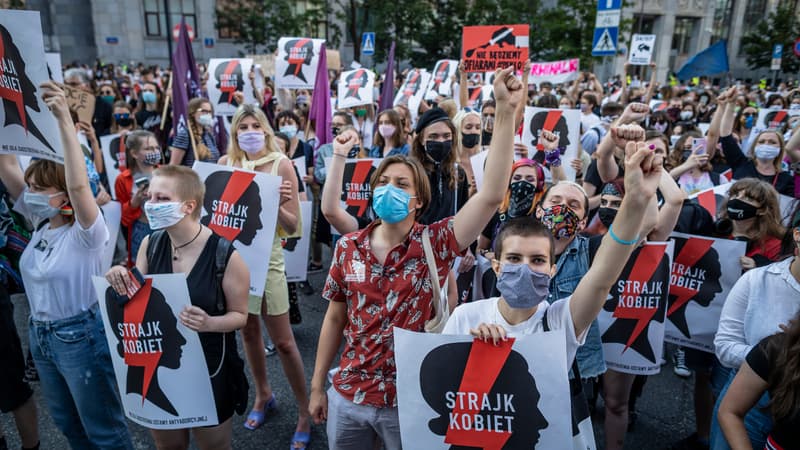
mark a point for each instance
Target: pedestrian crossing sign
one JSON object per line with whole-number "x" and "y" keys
{"x": 368, "y": 43}
{"x": 605, "y": 41}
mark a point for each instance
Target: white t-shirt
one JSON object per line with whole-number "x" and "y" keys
{"x": 588, "y": 121}
{"x": 470, "y": 315}
{"x": 57, "y": 267}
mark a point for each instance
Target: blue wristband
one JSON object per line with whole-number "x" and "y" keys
{"x": 617, "y": 238}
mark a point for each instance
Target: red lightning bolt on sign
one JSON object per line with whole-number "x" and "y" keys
{"x": 296, "y": 63}
{"x": 134, "y": 315}
{"x": 355, "y": 84}
{"x": 236, "y": 186}
{"x": 776, "y": 121}
{"x": 228, "y": 88}
{"x": 10, "y": 94}
{"x": 692, "y": 251}
{"x": 483, "y": 366}
{"x": 643, "y": 269}
{"x": 708, "y": 200}
{"x": 360, "y": 173}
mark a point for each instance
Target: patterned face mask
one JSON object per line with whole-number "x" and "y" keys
{"x": 521, "y": 198}
{"x": 561, "y": 220}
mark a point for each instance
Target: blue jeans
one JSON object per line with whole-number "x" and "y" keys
{"x": 757, "y": 422}
{"x": 77, "y": 379}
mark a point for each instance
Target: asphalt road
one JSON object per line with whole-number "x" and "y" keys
{"x": 665, "y": 409}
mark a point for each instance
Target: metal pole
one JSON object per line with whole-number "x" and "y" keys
{"x": 169, "y": 32}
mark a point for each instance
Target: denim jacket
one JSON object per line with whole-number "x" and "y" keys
{"x": 571, "y": 267}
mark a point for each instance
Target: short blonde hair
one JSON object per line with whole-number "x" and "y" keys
{"x": 188, "y": 185}
{"x": 243, "y": 111}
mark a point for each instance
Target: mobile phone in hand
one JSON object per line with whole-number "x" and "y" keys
{"x": 699, "y": 146}
{"x": 142, "y": 183}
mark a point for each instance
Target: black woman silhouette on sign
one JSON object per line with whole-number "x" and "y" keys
{"x": 148, "y": 319}
{"x": 442, "y": 371}
{"x": 553, "y": 121}
{"x": 229, "y": 80}
{"x": 242, "y": 198}
{"x": 17, "y": 91}
{"x": 687, "y": 251}
{"x": 299, "y": 52}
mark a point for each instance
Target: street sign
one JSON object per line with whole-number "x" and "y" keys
{"x": 368, "y": 43}
{"x": 606, "y": 28}
{"x": 177, "y": 29}
{"x": 777, "y": 52}
{"x": 797, "y": 47}
{"x": 112, "y": 40}
{"x": 208, "y": 42}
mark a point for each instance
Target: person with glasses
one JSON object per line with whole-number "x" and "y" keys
{"x": 108, "y": 93}
{"x": 132, "y": 187}
{"x": 201, "y": 146}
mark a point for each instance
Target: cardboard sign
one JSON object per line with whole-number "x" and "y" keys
{"x": 632, "y": 320}
{"x": 27, "y": 127}
{"x": 242, "y": 206}
{"x": 555, "y": 72}
{"x": 225, "y": 77}
{"x": 703, "y": 272}
{"x": 158, "y": 362}
{"x": 54, "y": 67}
{"x": 334, "y": 60}
{"x": 641, "y": 51}
{"x": 486, "y": 48}
{"x": 295, "y": 250}
{"x": 356, "y": 88}
{"x": 442, "y": 79}
{"x": 296, "y": 64}
{"x": 454, "y": 391}
{"x": 566, "y": 123}
{"x": 81, "y": 102}
{"x": 265, "y": 62}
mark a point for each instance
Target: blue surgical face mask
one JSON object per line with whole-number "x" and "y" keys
{"x": 149, "y": 97}
{"x": 289, "y": 130}
{"x": 390, "y": 203}
{"x": 522, "y": 287}
{"x": 39, "y": 204}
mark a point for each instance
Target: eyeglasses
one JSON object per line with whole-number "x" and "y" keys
{"x": 749, "y": 115}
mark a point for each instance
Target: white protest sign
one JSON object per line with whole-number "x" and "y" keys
{"x": 242, "y": 206}
{"x": 27, "y": 127}
{"x": 412, "y": 90}
{"x": 641, "y": 51}
{"x": 112, "y": 146}
{"x": 54, "y": 66}
{"x": 295, "y": 250}
{"x": 159, "y": 363}
{"x": 356, "y": 88}
{"x": 112, "y": 213}
{"x": 455, "y": 390}
{"x": 565, "y": 123}
{"x": 297, "y": 61}
{"x": 555, "y": 72}
{"x": 441, "y": 79}
{"x": 225, "y": 77}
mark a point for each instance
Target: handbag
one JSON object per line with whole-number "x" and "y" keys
{"x": 582, "y": 433}
{"x": 441, "y": 308}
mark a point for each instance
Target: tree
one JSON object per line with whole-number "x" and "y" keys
{"x": 781, "y": 27}
{"x": 258, "y": 24}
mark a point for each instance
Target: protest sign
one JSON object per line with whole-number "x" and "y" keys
{"x": 486, "y": 48}
{"x": 296, "y": 64}
{"x": 81, "y": 102}
{"x": 356, "y": 88}
{"x": 242, "y": 206}
{"x": 555, "y": 72}
{"x": 265, "y": 62}
{"x": 356, "y": 189}
{"x": 295, "y": 250}
{"x": 478, "y": 161}
{"x": 703, "y": 272}
{"x": 112, "y": 146}
{"x": 565, "y": 123}
{"x": 54, "y": 67}
{"x": 112, "y": 213}
{"x": 632, "y": 319}
{"x": 159, "y": 363}
{"x": 713, "y": 199}
{"x": 226, "y": 76}
{"x": 641, "y": 51}
{"x": 772, "y": 119}
{"x": 300, "y": 165}
{"x": 456, "y": 391}
{"x": 334, "y": 60}
{"x": 442, "y": 79}
{"x": 411, "y": 92}
{"x": 27, "y": 127}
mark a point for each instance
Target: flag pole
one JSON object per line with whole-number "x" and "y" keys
{"x": 168, "y": 94}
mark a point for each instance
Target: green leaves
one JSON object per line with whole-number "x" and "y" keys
{"x": 781, "y": 27}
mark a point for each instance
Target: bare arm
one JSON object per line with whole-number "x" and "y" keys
{"x": 728, "y": 116}
{"x": 176, "y": 156}
{"x": 520, "y": 112}
{"x": 478, "y": 210}
{"x": 745, "y": 390}
{"x": 80, "y": 194}
{"x": 12, "y": 176}
{"x": 463, "y": 88}
{"x": 642, "y": 174}
{"x": 330, "y": 337}
{"x": 670, "y": 210}
{"x": 331, "y": 205}
{"x": 651, "y": 88}
{"x": 712, "y": 136}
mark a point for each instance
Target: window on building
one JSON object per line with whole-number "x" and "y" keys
{"x": 722, "y": 20}
{"x": 155, "y": 16}
{"x": 682, "y": 36}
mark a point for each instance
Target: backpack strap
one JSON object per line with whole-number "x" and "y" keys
{"x": 220, "y": 264}
{"x": 714, "y": 178}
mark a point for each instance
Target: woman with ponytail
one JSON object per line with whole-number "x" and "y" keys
{"x": 185, "y": 150}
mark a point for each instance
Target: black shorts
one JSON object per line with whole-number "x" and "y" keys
{"x": 14, "y": 391}
{"x": 698, "y": 360}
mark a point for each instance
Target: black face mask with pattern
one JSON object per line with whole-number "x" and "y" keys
{"x": 521, "y": 198}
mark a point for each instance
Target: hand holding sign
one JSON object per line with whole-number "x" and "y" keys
{"x": 486, "y": 331}
{"x": 642, "y": 170}
{"x": 507, "y": 89}
{"x": 196, "y": 319}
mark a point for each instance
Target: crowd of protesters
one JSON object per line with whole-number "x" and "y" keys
{"x": 638, "y": 166}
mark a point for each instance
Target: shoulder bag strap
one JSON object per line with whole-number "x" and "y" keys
{"x": 441, "y": 311}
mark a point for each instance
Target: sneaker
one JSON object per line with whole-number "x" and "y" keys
{"x": 680, "y": 364}
{"x": 270, "y": 350}
{"x": 314, "y": 267}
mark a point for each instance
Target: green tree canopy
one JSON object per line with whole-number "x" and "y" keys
{"x": 781, "y": 27}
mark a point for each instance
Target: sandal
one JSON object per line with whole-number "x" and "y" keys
{"x": 259, "y": 417}
{"x": 300, "y": 437}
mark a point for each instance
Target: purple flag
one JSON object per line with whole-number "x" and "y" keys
{"x": 320, "y": 112}
{"x": 387, "y": 90}
{"x": 186, "y": 80}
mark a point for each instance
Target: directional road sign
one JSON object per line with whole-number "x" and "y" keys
{"x": 606, "y": 28}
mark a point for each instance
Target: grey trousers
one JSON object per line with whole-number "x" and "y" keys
{"x": 359, "y": 427}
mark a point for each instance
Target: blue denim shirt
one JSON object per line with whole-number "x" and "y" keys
{"x": 571, "y": 267}
{"x": 377, "y": 152}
